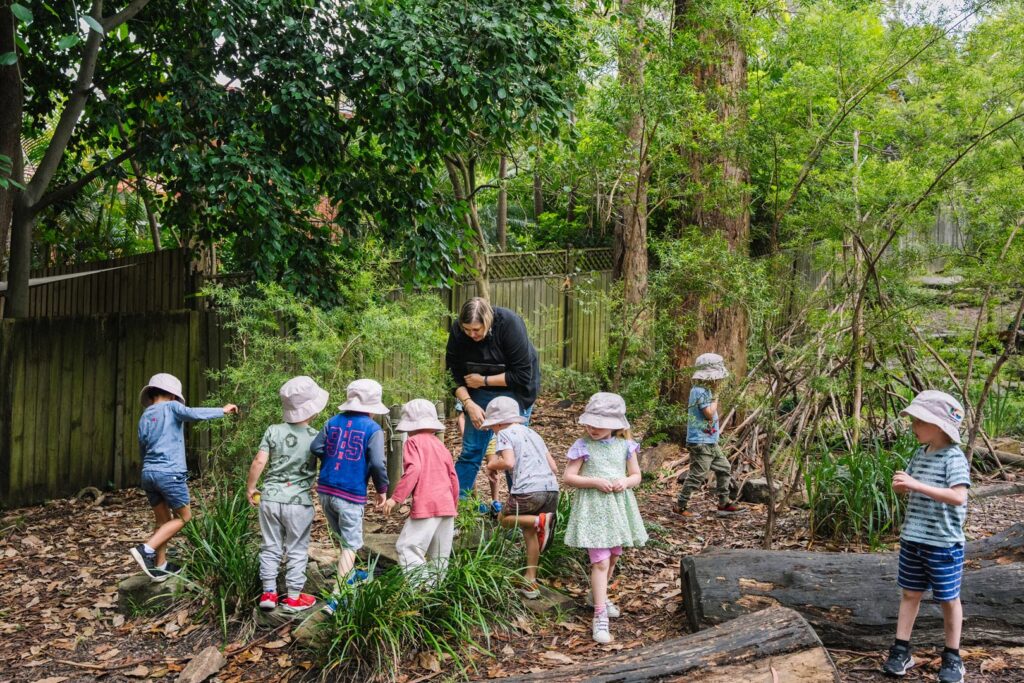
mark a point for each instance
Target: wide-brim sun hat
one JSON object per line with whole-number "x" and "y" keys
{"x": 940, "y": 409}
{"x": 605, "y": 411}
{"x": 301, "y": 399}
{"x": 164, "y": 382}
{"x": 501, "y": 411}
{"x": 364, "y": 396}
{"x": 710, "y": 366}
{"x": 419, "y": 414}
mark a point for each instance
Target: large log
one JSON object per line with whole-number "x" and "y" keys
{"x": 851, "y": 599}
{"x": 748, "y": 648}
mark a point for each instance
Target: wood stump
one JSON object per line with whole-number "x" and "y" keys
{"x": 851, "y": 599}
{"x": 748, "y": 648}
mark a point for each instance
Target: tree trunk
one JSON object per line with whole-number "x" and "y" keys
{"x": 851, "y": 599}
{"x": 721, "y": 75}
{"x": 857, "y": 326}
{"x": 461, "y": 174}
{"x": 502, "y": 222}
{"x": 538, "y": 192}
{"x": 633, "y": 233}
{"x": 10, "y": 126}
{"x": 773, "y": 644}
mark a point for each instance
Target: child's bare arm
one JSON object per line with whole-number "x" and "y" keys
{"x": 573, "y": 478}
{"x": 506, "y": 460}
{"x": 551, "y": 463}
{"x": 711, "y": 410}
{"x": 255, "y": 471}
{"x": 633, "y": 474}
{"x": 904, "y": 483}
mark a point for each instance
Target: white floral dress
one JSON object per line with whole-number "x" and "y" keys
{"x": 604, "y": 520}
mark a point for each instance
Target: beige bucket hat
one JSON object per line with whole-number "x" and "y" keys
{"x": 164, "y": 382}
{"x": 502, "y": 410}
{"x": 710, "y": 366}
{"x": 301, "y": 399}
{"x": 418, "y": 414}
{"x": 364, "y": 396}
{"x": 605, "y": 411}
{"x": 940, "y": 409}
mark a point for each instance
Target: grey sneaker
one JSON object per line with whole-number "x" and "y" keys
{"x": 613, "y": 611}
{"x": 952, "y": 670}
{"x": 899, "y": 662}
{"x": 600, "y": 631}
{"x": 146, "y": 560}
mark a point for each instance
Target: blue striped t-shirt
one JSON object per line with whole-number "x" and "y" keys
{"x": 929, "y": 521}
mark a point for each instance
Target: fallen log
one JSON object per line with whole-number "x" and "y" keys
{"x": 749, "y": 648}
{"x": 851, "y": 599}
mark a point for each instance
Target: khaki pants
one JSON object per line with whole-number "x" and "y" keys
{"x": 424, "y": 547}
{"x": 704, "y": 457}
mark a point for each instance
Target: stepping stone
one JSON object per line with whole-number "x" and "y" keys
{"x": 550, "y": 601}
{"x": 380, "y": 544}
{"x": 139, "y": 593}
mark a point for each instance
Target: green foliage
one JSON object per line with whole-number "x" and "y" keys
{"x": 850, "y": 494}
{"x": 277, "y": 335}
{"x": 222, "y": 556}
{"x": 1004, "y": 412}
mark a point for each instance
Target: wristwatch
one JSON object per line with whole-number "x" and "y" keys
{"x": 485, "y": 380}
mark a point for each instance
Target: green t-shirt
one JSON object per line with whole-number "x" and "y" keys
{"x": 291, "y": 469}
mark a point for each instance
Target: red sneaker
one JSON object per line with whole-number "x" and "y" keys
{"x": 304, "y": 601}
{"x": 542, "y": 530}
{"x": 729, "y": 509}
{"x": 268, "y": 600}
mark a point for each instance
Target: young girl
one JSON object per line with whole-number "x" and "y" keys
{"x": 429, "y": 475}
{"x": 605, "y": 516}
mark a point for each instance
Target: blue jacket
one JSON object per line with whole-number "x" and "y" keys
{"x": 351, "y": 446}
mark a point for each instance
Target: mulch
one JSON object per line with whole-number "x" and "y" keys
{"x": 60, "y": 564}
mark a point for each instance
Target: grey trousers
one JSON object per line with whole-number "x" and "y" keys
{"x": 285, "y": 530}
{"x": 424, "y": 541}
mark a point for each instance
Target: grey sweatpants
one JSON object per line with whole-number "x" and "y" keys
{"x": 285, "y": 530}
{"x": 423, "y": 541}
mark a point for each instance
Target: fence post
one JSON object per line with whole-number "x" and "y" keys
{"x": 6, "y": 405}
{"x": 567, "y": 303}
{"x": 119, "y": 401}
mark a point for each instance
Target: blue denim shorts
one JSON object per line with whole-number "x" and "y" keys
{"x": 924, "y": 567}
{"x": 166, "y": 487}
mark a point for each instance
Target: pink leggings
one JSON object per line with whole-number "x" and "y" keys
{"x": 602, "y": 554}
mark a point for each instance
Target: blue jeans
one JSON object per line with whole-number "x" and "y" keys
{"x": 474, "y": 442}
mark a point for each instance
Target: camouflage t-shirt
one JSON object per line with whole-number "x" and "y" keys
{"x": 291, "y": 470}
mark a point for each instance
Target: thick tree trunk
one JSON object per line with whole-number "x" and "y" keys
{"x": 10, "y": 126}
{"x": 773, "y": 644}
{"x": 461, "y": 174}
{"x": 502, "y": 222}
{"x": 538, "y": 193}
{"x": 633, "y": 233}
{"x": 851, "y": 599}
{"x": 721, "y": 75}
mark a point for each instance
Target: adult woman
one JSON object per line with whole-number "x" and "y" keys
{"x": 489, "y": 354}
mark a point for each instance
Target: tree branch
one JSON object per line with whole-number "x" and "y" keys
{"x": 124, "y": 15}
{"x": 64, "y": 191}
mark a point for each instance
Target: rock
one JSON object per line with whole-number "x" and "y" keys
{"x": 279, "y": 616}
{"x": 550, "y": 601}
{"x": 756, "y": 491}
{"x": 140, "y": 594}
{"x": 652, "y": 459}
{"x": 382, "y": 545}
{"x": 203, "y": 665}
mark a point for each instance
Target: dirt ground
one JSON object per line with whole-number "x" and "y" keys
{"x": 60, "y": 564}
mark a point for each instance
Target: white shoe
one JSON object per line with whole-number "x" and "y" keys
{"x": 613, "y": 611}
{"x": 600, "y": 632}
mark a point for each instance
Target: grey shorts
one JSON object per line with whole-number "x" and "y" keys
{"x": 345, "y": 520}
{"x": 533, "y": 503}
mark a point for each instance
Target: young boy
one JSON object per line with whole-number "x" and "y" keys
{"x": 932, "y": 539}
{"x": 285, "y": 504}
{"x": 533, "y": 494}
{"x": 164, "y": 472}
{"x": 351, "y": 446}
{"x": 702, "y": 437}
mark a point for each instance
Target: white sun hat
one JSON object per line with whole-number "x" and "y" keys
{"x": 605, "y": 411}
{"x": 940, "y": 409}
{"x": 418, "y": 414}
{"x": 301, "y": 399}
{"x": 502, "y": 410}
{"x": 164, "y": 382}
{"x": 364, "y": 396}
{"x": 710, "y": 366}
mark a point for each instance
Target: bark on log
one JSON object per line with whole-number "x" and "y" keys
{"x": 745, "y": 649}
{"x": 851, "y": 599}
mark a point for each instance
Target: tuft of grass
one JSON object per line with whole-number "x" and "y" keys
{"x": 1004, "y": 412}
{"x": 222, "y": 558}
{"x": 850, "y": 495}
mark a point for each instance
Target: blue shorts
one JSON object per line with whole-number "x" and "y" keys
{"x": 166, "y": 487}
{"x": 928, "y": 566}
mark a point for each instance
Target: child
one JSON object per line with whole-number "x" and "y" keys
{"x": 932, "y": 539}
{"x": 285, "y": 504}
{"x": 494, "y": 509}
{"x": 533, "y": 495}
{"x": 351, "y": 446}
{"x": 429, "y": 475}
{"x": 702, "y": 437}
{"x": 164, "y": 473}
{"x": 605, "y": 516}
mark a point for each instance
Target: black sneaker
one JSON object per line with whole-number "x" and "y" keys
{"x": 146, "y": 560}
{"x": 159, "y": 575}
{"x": 952, "y": 670}
{"x": 899, "y": 661}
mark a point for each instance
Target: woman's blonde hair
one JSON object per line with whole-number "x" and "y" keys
{"x": 477, "y": 311}
{"x": 626, "y": 434}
